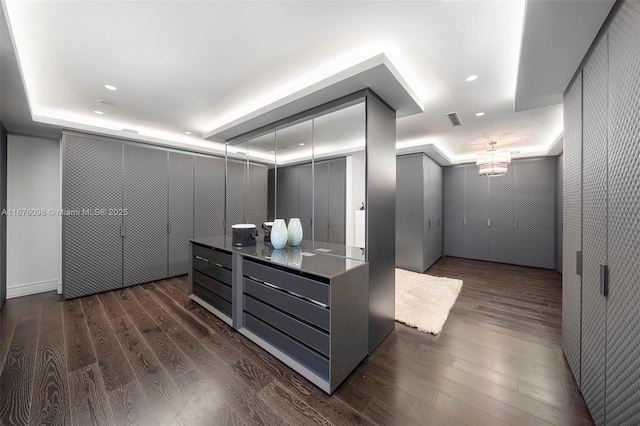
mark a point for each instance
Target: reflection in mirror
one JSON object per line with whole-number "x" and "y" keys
{"x": 236, "y": 185}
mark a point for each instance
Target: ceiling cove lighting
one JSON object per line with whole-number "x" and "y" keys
{"x": 472, "y": 77}
{"x": 110, "y": 87}
{"x": 493, "y": 162}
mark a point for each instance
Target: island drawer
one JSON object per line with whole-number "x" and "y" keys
{"x": 214, "y": 286}
{"x": 212, "y": 256}
{"x": 212, "y": 299}
{"x": 212, "y": 270}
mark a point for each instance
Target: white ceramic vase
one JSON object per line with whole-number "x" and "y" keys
{"x": 295, "y": 232}
{"x": 278, "y": 234}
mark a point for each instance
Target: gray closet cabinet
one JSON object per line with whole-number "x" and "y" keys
{"x": 91, "y": 244}
{"x": 237, "y": 185}
{"x": 3, "y": 218}
{"x": 507, "y": 219}
{"x": 209, "y": 197}
{"x": 418, "y": 212}
{"x": 181, "y": 187}
{"x": 145, "y": 196}
{"x": 600, "y": 332}
{"x": 257, "y": 194}
{"x": 305, "y": 200}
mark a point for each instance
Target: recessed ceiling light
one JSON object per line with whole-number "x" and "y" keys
{"x": 110, "y": 87}
{"x": 479, "y": 114}
{"x": 301, "y": 144}
{"x": 98, "y": 112}
{"x": 187, "y": 133}
{"x": 472, "y": 77}
{"x": 103, "y": 102}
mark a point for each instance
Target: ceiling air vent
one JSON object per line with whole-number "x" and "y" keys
{"x": 454, "y": 118}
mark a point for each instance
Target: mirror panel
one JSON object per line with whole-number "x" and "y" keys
{"x": 236, "y": 185}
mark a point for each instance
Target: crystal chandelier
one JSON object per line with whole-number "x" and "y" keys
{"x": 492, "y": 162}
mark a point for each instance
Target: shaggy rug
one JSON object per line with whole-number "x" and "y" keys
{"x": 423, "y": 301}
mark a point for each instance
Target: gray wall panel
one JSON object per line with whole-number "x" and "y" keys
{"x": 3, "y": 218}
{"x": 572, "y": 227}
{"x": 92, "y": 245}
{"x": 305, "y": 199}
{"x": 623, "y": 306}
{"x": 236, "y": 193}
{"x": 381, "y": 220}
{"x": 180, "y": 211}
{"x": 209, "y": 198}
{"x": 321, "y": 202}
{"x": 337, "y": 201}
{"x": 281, "y": 193}
{"x": 435, "y": 198}
{"x": 502, "y": 212}
{"x": 410, "y": 234}
{"x": 145, "y": 196}
{"x": 257, "y": 195}
{"x": 559, "y": 206}
{"x": 535, "y": 212}
{"x": 291, "y": 177}
{"x": 594, "y": 230}
{"x": 477, "y": 213}
{"x": 454, "y": 179}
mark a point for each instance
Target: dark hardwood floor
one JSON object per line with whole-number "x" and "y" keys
{"x": 148, "y": 355}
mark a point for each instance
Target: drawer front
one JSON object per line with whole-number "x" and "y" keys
{"x": 214, "y": 286}
{"x": 212, "y": 256}
{"x": 215, "y": 301}
{"x": 300, "y": 285}
{"x": 306, "y": 334}
{"x": 210, "y": 269}
{"x": 305, "y": 356}
{"x": 294, "y": 305}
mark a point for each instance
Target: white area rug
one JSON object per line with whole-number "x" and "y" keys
{"x": 424, "y": 301}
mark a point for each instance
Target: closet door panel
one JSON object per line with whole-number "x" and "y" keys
{"x": 535, "y": 212}
{"x": 337, "y": 201}
{"x": 235, "y": 194}
{"x": 410, "y": 239}
{"x": 281, "y": 193}
{"x": 435, "y": 199}
{"x": 257, "y": 195}
{"x": 594, "y": 230}
{"x": 426, "y": 213}
{"x": 209, "y": 198}
{"x": 305, "y": 199}
{"x": 292, "y": 174}
{"x": 180, "y": 211}
{"x": 145, "y": 196}
{"x": 92, "y": 245}
{"x": 502, "y": 212}
{"x": 572, "y": 224}
{"x": 321, "y": 202}
{"x": 477, "y": 214}
{"x": 623, "y": 305}
{"x": 454, "y": 210}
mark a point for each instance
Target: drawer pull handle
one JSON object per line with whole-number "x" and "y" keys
{"x": 209, "y": 262}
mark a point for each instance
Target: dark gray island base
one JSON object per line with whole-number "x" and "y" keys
{"x": 309, "y": 310}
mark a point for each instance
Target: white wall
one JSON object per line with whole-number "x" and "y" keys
{"x": 356, "y": 193}
{"x": 33, "y": 243}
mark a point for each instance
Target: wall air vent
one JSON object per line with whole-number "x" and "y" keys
{"x": 454, "y": 118}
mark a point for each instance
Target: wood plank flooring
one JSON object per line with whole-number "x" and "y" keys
{"x": 149, "y": 355}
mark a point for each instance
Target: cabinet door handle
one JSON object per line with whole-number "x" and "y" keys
{"x": 515, "y": 223}
{"x": 122, "y": 231}
{"x": 604, "y": 280}
{"x": 488, "y": 222}
{"x": 429, "y": 225}
{"x": 579, "y": 263}
{"x": 168, "y": 228}
{"x": 464, "y": 222}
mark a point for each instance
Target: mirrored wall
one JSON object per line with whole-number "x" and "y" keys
{"x": 312, "y": 169}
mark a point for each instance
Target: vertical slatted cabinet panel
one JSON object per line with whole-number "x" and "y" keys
{"x": 337, "y": 201}
{"x": 92, "y": 245}
{"x": 209, "y": 199}
{"x": 321, "y": 202}
{"x": 236, "y": 193}
{"x": 502, "y": 212}
{"x": 623, "y": 305}
{"x": 180, "y": 211}
{"x": 257, "y": 195}
{"x": 572, "y": 232}
{"x": 3, "y": 218}
{"x": 145, "y": 196}
{"x": 305, "y": 200}
{"x": 535, "y": 212}
{"x": 435, "y": 199}
{"x": 594, "y": 229}
{"x": 409, "y": 213}
{"x": 454, "y": 210}
{"x": 477, "y": 214}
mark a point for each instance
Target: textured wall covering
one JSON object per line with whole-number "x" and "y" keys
{"x": 180, "y": 211}
{"x": 623, "y": 309}
{"x": 572, "y": 219}
{"x": 454, "y": 210}
{"x": 92, "y": 180}
{"x": 594, "y": 229}
{"x": 502, "y": 210}
{"x": 209, "y": 200}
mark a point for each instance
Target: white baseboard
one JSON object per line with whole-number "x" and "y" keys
{"x": 33, "y": 288}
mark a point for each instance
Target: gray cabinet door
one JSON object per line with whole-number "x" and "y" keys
{"x": 337, "y": 201}
{"x": 410, "y": 233}
{"x": 623, "y": 305}
{"x": 257, "y": 195}
{"x": 535, "y": 212}
{"x": 594, "y": 230}
{"x": 291, "y": 177}
{"x": 321, "y": 202}
{"x": 477, "y": 215}
{"x": 281, "y": 193}
{"x": 92, "y": 244}
{"x": 3, "y": 218}
{"x": 180, "y": 211}
{"x": 572, "y": 223}
{"x": 209, "y": 197}
{"x": 454, "y": 210}
{"x": 235, "y": 193}
{"x": 435, "y": 203}
{"x": 502, "y": 213}
{"x": 305, "y": 200}
{"x": 145, "y": 196}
